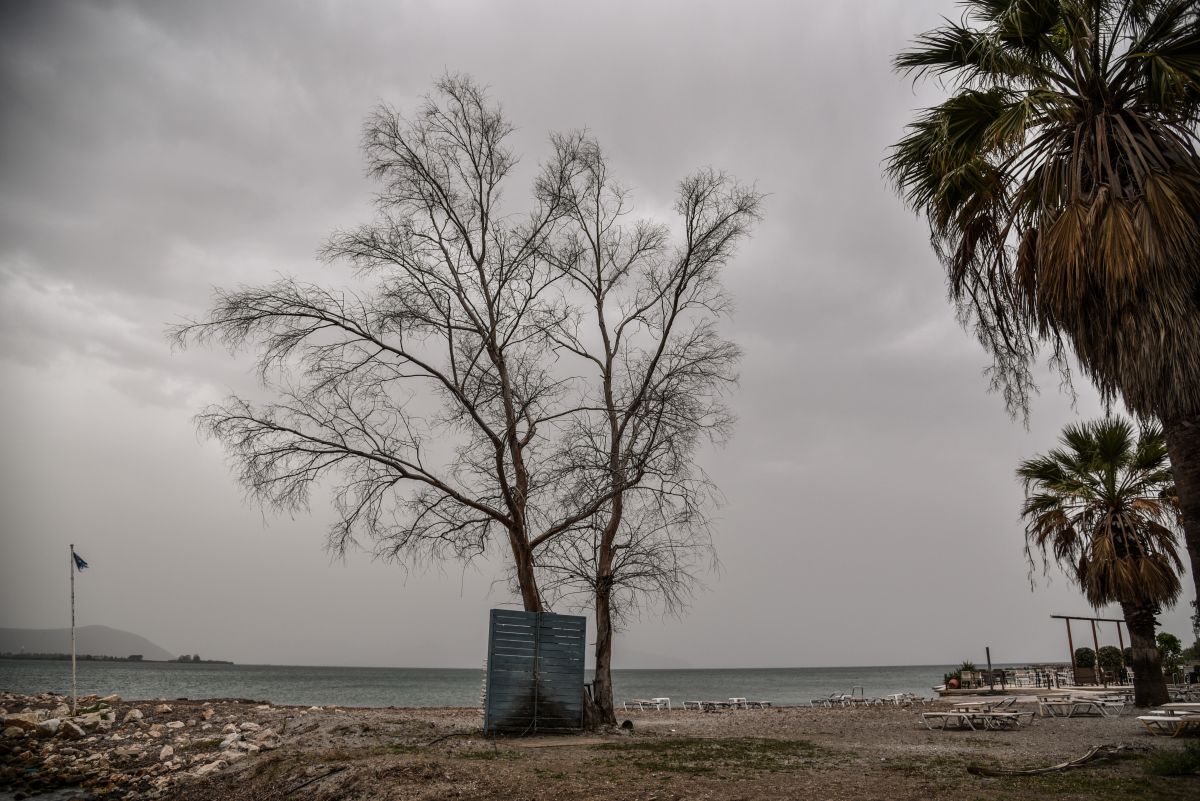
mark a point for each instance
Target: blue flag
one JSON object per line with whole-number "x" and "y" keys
{"x": 79, "y": 563}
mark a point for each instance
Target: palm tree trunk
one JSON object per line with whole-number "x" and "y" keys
{"x": 1183, "y": 442}
{"x": 1149, "y": 686}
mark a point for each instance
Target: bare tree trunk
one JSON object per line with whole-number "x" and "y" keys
{"x": 602, "y": 688}
{"x": 531, "y": 597}
{"x": 1183, "y": 442}
{"x": 1149, "y": 685}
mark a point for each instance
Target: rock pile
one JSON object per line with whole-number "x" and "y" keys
{"x": 126, "y": 750}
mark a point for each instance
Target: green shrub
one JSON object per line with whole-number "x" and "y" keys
{"x": 1183, "y": 762}
{"x": 1109, "y": 658}
{"x": 1085, "y": 658}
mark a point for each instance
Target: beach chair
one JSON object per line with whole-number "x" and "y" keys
{"x": 642, "y": 703}
{"x": 961, "y": 720}
{"x": 1171, "y": 725}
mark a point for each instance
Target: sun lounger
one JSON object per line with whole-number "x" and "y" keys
{"x": 643, "y": 703}
{"x": 976, "y": 719}
{"x": 961, "y": 720}
{"x": 1076, "y": 707}
{"x": 1173, "y": 725}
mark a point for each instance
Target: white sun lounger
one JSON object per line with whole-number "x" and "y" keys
{"x": 1173, "y": 725}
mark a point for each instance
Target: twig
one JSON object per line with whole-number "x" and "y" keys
{"x": 316, "y": 779}
{"x": 1097, "y": 752}
{"x": 448, "y": 736}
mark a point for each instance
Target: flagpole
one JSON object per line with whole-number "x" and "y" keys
{"x": 72, "y": 568}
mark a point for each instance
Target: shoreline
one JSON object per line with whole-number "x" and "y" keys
{"x": 240, "y": 749}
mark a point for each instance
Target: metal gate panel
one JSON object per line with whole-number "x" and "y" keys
{"x": 534, "y": 672}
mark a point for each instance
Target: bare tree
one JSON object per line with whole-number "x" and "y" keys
{"x": 452, "y": 315}
{"x": 645, "y": 333}
{"x": 438, "y": 400}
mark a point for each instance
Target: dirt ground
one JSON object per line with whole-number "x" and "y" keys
{"x": 856, "y": 753}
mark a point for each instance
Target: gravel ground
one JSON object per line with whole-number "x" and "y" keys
{"x": 325, "y": 754}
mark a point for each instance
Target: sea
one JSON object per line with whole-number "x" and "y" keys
{"x": 443, "y": 687}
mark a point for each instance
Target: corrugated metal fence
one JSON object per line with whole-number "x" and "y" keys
{"x": 534, "y": 672}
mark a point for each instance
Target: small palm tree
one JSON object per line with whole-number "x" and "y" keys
{"x": 1103, "y": 506}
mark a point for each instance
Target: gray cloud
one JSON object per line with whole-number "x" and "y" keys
{"x": 153, "y": 150}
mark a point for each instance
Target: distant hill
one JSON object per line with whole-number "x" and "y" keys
{"x": 95, "y": 640}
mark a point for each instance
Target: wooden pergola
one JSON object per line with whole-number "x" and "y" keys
{"x": 1095, "y": 637}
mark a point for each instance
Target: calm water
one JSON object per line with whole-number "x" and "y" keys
{"x": 415, "y": 687}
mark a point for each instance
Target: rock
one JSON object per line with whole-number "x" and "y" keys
{"x": 23, "y": 720}
{"x": 127, "y": 751}
{"x": 89, "y": 722}
{"x": 231, "y": 756}
{"x": 155, "y": 730}
{"x": 263, "y": 707}
{"x": 166, "y": 754}
{"x": 61, "y": 711}
{"x": 207, "y": 713}
{"x": 229, "y": 727}
{"x": 252, "y": 748}
{"x": 162, "y": 709}
{"x": 111, "y": 700}
{"x": 249, "y": 726}
{"x": 133, "y": 715}
{"x": 211, "y": 767}
{"x": 48, "y": 728}
{"x": 175, "y": 724}
{"x": 230, "y": 740}
{"x": 69, "y": 730}
{"x": 13, "y": 732}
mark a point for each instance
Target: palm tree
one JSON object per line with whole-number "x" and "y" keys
{"x": 1061, "y": 183}
{"x": 1103, "y": 506}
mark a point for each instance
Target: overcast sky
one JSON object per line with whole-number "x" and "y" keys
{"x": 152, "y": 151}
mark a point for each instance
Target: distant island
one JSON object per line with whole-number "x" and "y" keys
{"x": 92, "y": 643}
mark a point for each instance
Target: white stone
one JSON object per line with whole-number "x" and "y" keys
{"x": 249, "y": 725}
{"x": 162, "y": 709}
{"x": 229, "y": 727}
{"x": 175, "y": 724}
{"x": 132, "y": 715}
{"x": 48, "y": 728}
{"x": 211, "y": 767}
{"x": 13, "y": 732}
{"x": 166, "y": 754}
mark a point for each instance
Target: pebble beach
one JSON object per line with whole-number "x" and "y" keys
{"x": 248, "y": 749}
